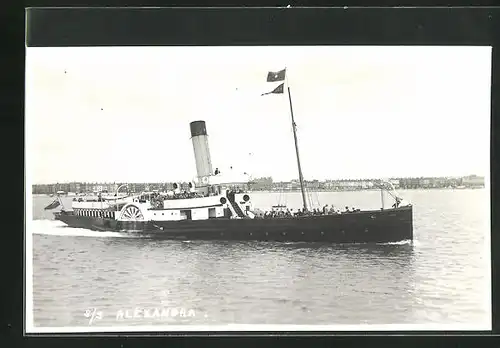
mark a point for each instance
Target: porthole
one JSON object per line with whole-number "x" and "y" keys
{"x": 267, "y": 234}
{"x": 302, "y": 233}
{"x": 366, "y": 230}
{"x": 322, "y": 233}
{"x": 250, "y": 233}
{"x": 343, "y": 232}
{"x": 162, "y": 213}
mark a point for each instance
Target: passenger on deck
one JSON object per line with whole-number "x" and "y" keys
{"x": 217, "y": 171}
{"x": 325, "y": 209}
{"x": 397, "y": 203}
{"x": 332, "y": 210}
{"x": 346, "y": 209}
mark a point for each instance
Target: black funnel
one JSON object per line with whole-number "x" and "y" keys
{"x": 198, "y": 128}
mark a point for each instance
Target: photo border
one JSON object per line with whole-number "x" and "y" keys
{"x": 276, "y": 26}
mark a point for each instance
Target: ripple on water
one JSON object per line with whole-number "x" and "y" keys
{"x": 438, "y": 278}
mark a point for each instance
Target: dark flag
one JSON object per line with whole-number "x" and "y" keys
{"x": 53, "y": 205}
{"x": 277, "y": 90}
{"x": 276, "y": 76}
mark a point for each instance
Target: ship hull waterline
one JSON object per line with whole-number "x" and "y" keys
{"x": 377, "y": 226}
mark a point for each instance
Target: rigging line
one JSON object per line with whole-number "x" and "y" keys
{"x": 309, "y": 199}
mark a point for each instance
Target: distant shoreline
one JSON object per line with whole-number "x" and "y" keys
{"x": 318, "y": 191}
{"x": 364, "y": 190}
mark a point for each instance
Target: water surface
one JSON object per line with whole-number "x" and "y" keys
{"x": 442, "y": 277}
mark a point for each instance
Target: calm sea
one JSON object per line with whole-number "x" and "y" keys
{"x": 442, "y": 277}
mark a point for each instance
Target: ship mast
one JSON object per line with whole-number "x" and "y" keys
{"x": 294, "y": 127}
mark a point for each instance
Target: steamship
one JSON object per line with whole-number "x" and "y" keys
{"x": 210, "y": 209}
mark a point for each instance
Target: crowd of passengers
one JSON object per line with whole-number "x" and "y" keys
{"x": 326, "y": 210}
{"x": 156, "y": 196}
{"x": 187, "y": 194}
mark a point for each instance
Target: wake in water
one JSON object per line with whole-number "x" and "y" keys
{"x": 403, "y": 242}
{"x": 58, "y": 228}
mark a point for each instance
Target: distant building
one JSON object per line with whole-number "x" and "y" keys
{"x": 314, "y": 184}
{"x": 395, "y": 183}
{"x": 75, "y": 187}
{"x": 473, "y": 181}
{"x": 261, "y": 184}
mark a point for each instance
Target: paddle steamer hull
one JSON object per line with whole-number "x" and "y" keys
{"x": 378, "y": 226}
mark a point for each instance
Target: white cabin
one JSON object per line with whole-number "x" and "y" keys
{"x": 156, "y": 206}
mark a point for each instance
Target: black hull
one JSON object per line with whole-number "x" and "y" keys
{"x": 382, "y": 226}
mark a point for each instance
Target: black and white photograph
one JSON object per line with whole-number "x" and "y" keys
{"x": 257, "y": 188}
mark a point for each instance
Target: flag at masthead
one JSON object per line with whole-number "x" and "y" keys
{"x": 277, "y": 90}
{"x": 273, "y": 76}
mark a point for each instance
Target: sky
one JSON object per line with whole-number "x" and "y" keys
{"x": 121, "y": 114}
